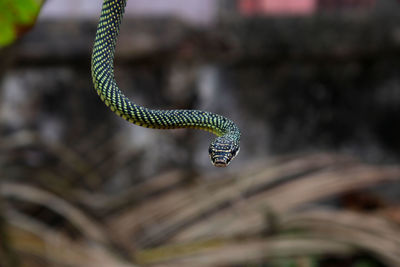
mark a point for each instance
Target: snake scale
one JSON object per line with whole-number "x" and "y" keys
{"x": 222, "y": 150}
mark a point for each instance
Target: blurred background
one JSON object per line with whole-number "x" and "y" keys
{"x": 314, "y": 86}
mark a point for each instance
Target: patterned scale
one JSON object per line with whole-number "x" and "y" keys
{"x": 222, "y": 150}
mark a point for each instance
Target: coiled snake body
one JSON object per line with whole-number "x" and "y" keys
{"x": 222, "y": 150}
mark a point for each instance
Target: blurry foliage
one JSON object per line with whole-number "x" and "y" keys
{"x": 266, "y": 214}
{"x": 16, "y": 17}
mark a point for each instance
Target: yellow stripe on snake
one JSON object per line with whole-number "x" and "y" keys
{"x": 222, "y": 150}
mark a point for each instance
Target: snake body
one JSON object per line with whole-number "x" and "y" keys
{"x": 222, "y": 150}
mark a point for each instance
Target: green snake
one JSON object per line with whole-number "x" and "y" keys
{"x": 222, "y": 150}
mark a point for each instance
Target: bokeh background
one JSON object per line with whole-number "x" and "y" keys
{"x": 313, "y": 84}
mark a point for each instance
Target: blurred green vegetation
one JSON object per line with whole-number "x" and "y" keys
{"x": 16, "y": 17}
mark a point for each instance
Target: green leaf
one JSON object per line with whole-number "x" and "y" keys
{"x": 16, "y": 17}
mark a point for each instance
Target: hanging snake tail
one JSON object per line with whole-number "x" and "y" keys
{"x": 222, "y": 150}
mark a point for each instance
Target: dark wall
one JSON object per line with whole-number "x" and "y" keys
{"x": 326, "y": 82}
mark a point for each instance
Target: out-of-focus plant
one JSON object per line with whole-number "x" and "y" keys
{"x": 16, "y": 17}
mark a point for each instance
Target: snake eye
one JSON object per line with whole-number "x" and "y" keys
{"x": 235, "y": 151}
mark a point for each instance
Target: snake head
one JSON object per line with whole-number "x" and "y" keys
{"x": 222, "y": 150}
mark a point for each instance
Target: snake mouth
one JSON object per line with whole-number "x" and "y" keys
{"x": 220, "y": 162}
